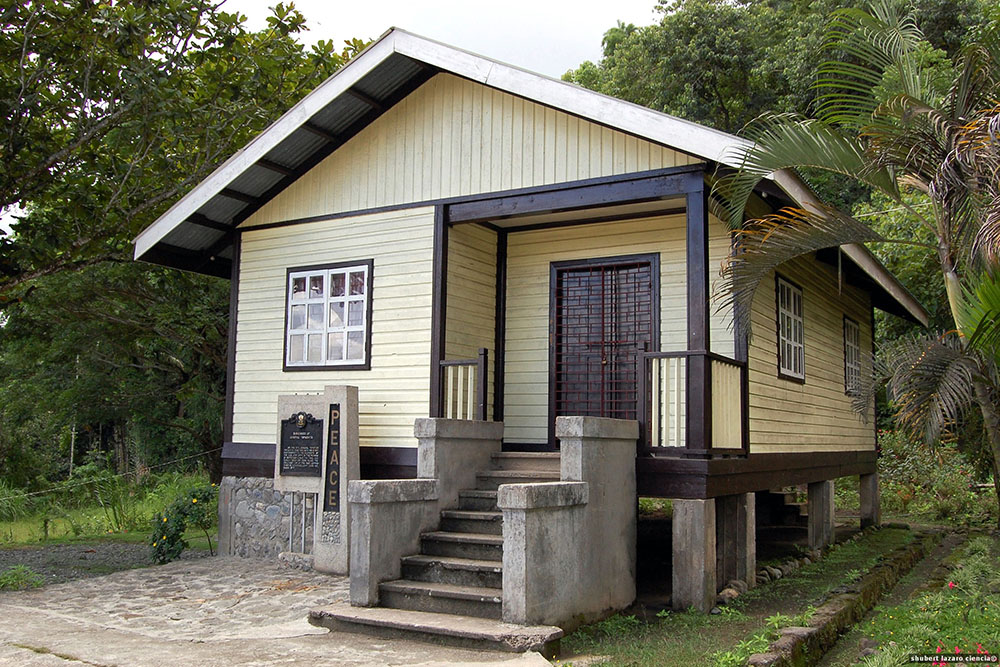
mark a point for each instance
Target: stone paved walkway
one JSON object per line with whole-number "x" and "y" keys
{"x": 214, "y": 611}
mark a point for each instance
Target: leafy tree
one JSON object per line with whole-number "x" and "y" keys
{"x": 112, "y": 110}
{"x": 886, "y": 119}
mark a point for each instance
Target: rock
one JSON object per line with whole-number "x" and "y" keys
{"x": 765, "y": 574}
{"x": 715, "y": 611}
{"x": 774, "y": 572}
{"x": 727, "y": 595}
{"x": 763, "y": 659}
{"x": 806, "y": 560}
{"x": 740, "y": 586}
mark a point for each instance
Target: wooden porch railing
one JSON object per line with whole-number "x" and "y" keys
{"x": 665, "y": 415}
{"x": 464, "y": 387}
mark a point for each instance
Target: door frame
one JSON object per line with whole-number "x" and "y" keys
{"x": 653, "y": 258}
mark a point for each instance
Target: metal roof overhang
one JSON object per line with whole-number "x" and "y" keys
{"x": 195, "y": 234}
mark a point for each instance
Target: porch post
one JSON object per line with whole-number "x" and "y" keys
{"x": 439, "y": 306}
{"x": 694, "y": 576}
{"x": 821, "y": 517}
{"x": 500, "y": 325}
{"x": 699, "y": 390}
{"x": 871, "y": 507}
{"x": 736, "y": 543}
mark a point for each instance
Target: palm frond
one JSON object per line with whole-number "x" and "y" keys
{"x": 885, "y": 39}
{"x": 931, "y": 381}
{"x": 787, "y": 141}
{"x": 980, "y": 314}
{"x": 764, "y": 244}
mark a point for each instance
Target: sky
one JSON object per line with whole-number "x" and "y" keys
{"x": 545, "y": 36}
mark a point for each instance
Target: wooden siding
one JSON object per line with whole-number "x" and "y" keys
{"x": 395, "y": 391}
{"x": 786, "y": 416}
{"x": 529, "y": 254}
{"x": 454, "y": 137}
{"x": 472, "y": 269}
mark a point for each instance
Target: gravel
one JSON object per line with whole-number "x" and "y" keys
{"x": 65, "y": 562}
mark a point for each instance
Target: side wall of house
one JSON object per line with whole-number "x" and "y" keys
{"x": 529, "y": 255}
{"x": 454, "y": 137}
{"x": 787, "y": 416}
{"x": 394, "y": 391}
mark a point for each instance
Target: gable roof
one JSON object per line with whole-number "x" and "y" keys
{"x": 195, "y": 233}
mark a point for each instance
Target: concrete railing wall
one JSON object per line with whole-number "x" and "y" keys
{"x": 388, "y": 516}
{"x": 569, "y": 546}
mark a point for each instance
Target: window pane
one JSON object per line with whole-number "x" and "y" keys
{"x": 315, "y": 349}
{"x": 336, "y": 284}
{"x": 357, "y": 282}
{"x": 298, "y": 317}
{"x": 298, "y": 288}
{"x": 337, "y": 314}
{"x": 356, "y": 345}
{"x": 315, "y": 316}
{"x": 355, "y": 313}
{"x": 335, "y": 347}
{"x": 315, "y": 287}
{"x": 295, "y": 348}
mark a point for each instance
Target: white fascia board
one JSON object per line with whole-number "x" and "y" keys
{"x": 691, "y": 138}
{"x": 860, "y": 255}
{"x": 260, "y": 145}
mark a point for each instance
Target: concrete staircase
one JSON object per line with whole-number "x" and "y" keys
{"x": 458, "y": 572}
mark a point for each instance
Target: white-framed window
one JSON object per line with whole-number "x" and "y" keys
{"x": 791, "y": 339}
{"x": 852, "y": 356}
{"x": 327, "y": 315}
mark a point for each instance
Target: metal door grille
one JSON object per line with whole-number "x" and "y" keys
{"x": 604, "y": 319}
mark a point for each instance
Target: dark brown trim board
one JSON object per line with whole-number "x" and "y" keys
{"x": 245, "y": 459}
{"x": 367, "y": 365}
{"x": 674, "y": 477}
{"x": 439, "y": 308}
{"x": 698, "y": 380}
{"x": 234, "y": 293}
{"x": 500, "y": 326}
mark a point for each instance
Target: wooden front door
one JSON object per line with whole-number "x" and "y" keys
{"x": 603, "y": 313}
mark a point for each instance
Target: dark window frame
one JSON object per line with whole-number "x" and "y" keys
{"x": 778, "y": 279}
{"x": 369, "y": 299}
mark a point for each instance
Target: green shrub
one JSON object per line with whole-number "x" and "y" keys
{"x": 194, "y": 509}
{"x": 14, "y": 504}
{"x": 19, "y": 577}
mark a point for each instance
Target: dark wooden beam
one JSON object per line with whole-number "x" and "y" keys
{"x": 208, "y": 223}
{"x": 187, "y": 260}
{"x": 585, "y": 219}
{"x": 698, "y": 417}
{"x": 500, "y": 325}
{"x": 240, "y": 196}
{"x": 234, "y": 291}
{"x": 614, "y": 190}
{"x": 275, "y": 167}
{"x": 320, "y": 132}
{"x": 669, "y": 477}
{"x": 439, "y": 308}
{"x": 366, "y": 98}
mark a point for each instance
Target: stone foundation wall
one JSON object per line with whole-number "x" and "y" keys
{"x": 254, "y": 519}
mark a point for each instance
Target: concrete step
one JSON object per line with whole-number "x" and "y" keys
{"x": 491, "y": 479}
{"x": 477, "y": 546}
{"x": 449, "y": 570}
{"x": 441, "y": 598}
{"x": 541, "y": 461}
{"x": 477, "y": 500}
{"x": 461, "y": 631}
{"x": 466, "y": 521}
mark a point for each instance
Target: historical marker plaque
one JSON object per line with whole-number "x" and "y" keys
{"x": 301, "y": 445}
{"x": 331, "y": 490}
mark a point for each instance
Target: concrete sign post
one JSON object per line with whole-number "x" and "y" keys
{"x": 317, "y": 456}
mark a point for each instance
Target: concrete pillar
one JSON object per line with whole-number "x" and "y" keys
{"x": 735, "y": 538}
{"x": 871, "y": 504}
{"x": 821, "y": 532}
{"x": 694, "y": 580}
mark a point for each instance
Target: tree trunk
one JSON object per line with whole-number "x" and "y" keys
{"x": 991, "y": 422}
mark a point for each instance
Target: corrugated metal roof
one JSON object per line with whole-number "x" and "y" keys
{"x": 340, "y": 114}
{"x": 383, "y": 81}
{"x": 193, "y": 237}
{"x": 256, "y": 180}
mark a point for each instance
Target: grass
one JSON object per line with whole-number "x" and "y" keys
{"x": 18, "y": 578}
{"x": 961, "y": 616}
{"x": 746, "y": 626}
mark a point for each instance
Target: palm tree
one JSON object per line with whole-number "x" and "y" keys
{"x": 895, "y": 117}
